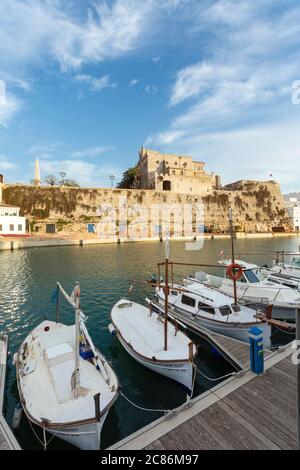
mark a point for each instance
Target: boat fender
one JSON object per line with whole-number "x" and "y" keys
{"x": 234, "y": 271}
{"x": 16, "y": 419}
{"x": 15, "y": 359}
{"x": 112, "y": 329}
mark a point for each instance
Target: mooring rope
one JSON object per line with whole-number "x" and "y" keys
{"x": 142, "y": 408}
{"x": 216, "y": 378}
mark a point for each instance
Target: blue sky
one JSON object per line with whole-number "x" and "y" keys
{"x": 83, "y": 84}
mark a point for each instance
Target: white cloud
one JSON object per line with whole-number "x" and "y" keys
{"x": 9, "y": 108}
{"x": 6, "y": 164}
{"x": 251, "y": 60}
{"x": 41, "y": 149}
{"x": 156, "y": 60}
{"x": 87, "y": 174}
{"x": 201, "y": 77}
{"x": 96, "y": 84}
{"x": 29, "y": 27}
{"x": 133, "y": 82}
{"x": 165, "y": 138}
{"x": 151, "y": 90}
{"x": 251, "y": 153}
{"x": 92, "y": 151}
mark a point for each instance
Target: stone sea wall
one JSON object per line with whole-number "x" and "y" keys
{"x": 256, "y": 207}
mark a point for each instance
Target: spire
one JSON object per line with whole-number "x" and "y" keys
{"x": 37, "y": 175}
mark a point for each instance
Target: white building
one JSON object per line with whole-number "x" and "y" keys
{"x": 295, "y": 216}
{"x": 10, "y": 221}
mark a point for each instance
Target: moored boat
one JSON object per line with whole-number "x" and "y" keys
{"x": 65, "y": 384}
{"x": 253, "y": 288}
{"x": 140, "y": 330}
{"x": 214, "y": 311}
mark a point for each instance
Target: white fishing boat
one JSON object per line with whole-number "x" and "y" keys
{"x": 253, "y": 288}
{"x": 153, "y": 341}
{"x": 65, "y": 384}
{"x": 214, "y": 310}
{"x": 141, "y": 332}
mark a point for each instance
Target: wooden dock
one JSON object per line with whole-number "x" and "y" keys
{"x": 247, "y": 411}
{"x": 7, "y": 438}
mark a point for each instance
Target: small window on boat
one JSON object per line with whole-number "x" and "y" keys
{"x": 206, "y": 308}
{"x": 174, "y": 292}
{"x": 188, "y": 301}
{"x": 225, "y": 310}
{"x": 235, "y": 308}
{"x": 251, "y": 276}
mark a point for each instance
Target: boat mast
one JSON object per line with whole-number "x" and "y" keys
{"x": 232, "y": 253}
{"x": 77, "y": 332}
{"x": 167, "y": 247}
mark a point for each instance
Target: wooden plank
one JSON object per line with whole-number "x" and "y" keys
{"x": 264, "y": 402}
{"x": 284, "y": 438}
{"x": 266, "y": 417}
{"x": 266, "y": 443}
{"x": 231, "y": 430}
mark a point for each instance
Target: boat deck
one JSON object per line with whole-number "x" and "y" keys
{"x": 7, "y": 438}
{"x": 248, "y": 411}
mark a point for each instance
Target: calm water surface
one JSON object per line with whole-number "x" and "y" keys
{"x": 105, "y": 272}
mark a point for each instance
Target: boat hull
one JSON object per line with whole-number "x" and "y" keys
{"x": 233, "y": 330}
{"x": 278, "y": 312}
{"x": 85, "y": 437}
{"x": 178, "y": 371}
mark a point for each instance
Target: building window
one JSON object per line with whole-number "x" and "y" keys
{"x": 11, "y": 228}
{"x": 167, "y": 186}
{"x": 20, "y": 227}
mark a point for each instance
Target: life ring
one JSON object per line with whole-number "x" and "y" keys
{"x": 234, "y": 271}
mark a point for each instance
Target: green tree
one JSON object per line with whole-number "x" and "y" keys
{"x": 70, "y": 182}
{"x": 129, "y": 177}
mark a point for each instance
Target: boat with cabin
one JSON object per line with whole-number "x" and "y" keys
{"x": 252, "y": 288}
{"x": 214, "y": 310}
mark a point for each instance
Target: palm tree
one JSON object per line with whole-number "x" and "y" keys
{"x": 129, "y": 177}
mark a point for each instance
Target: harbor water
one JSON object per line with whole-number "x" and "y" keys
{"x": 105, "y": 273}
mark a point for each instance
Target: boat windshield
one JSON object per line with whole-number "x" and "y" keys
{"x": 251, "y": 276}
{"x": 259, "y": 274}
{"x": 296, "y": 262}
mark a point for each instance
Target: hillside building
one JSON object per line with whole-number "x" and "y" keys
{"x": 176, "y": 173}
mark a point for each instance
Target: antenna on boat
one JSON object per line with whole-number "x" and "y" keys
{"x": 232, "y": 253}
{"x": 76, "y": 373}
{"x": 167, "y": 250}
